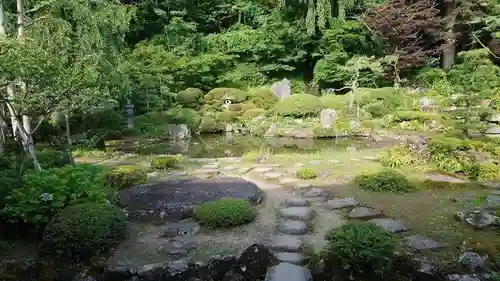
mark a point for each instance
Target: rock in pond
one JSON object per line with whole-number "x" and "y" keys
{"x": 288, "y": 272}
{"x": 174, "y": 200}
{"x": 392, "y": 225}
{"x": 177, "y": 132}
{"x": 255, "y": 261}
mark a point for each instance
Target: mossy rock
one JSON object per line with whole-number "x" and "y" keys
{"x": 252, "y": 113}
{"x": 190, "y": 97}
{"x": 126, "y": 177}
{"x": 307, "y": 173}
{"x": 225, "y": 213}
{"x": 165, "y": 162}
{"x": 302, "y": 105}
{"x": 217, "y": 96}
{"x": 226, "y": 116}
{"x": 210, "y": 124}
{"x": 82, "y": 231}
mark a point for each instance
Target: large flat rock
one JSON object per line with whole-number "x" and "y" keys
{"x": 175, "y": 199}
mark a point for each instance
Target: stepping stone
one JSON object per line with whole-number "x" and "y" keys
{"x": 333, "y": 161}
{"x": 293, "y": 227}
{"x": 263, "y": 169}
{"x": 392, "y": 225}
{"x": 211, "y": 166}
{"x": 297, "y": 213}
{"x": 296, "y": 202}
{"x": 178, "y": 247}
{"x": 364, "y": 213}
{"x": 186, "y": 227}
{"x": 154, "y": 174}
{"x": 355, "y": 159}
{"x": 293, "y": 258}
{"x": 314, "y": 192}
{"x": 370, "y": 158}
{"x": 299, "y": 165}
{"x": 175, "y": 174}
{"x": 288, "y": 272}
{"x": 272, "y": 175}
{"x": 286, "y": 243}
{"x": 287, "y": 180}
{"x": 341, "y": 203}
{"x": 421, "y": 243}
{"x": 230, "y": 168}
{"x": 230, "y": 159}
{"x": 243, "y": 170}
{"x": 315, "y": 162}
{"x": 492, "y": 202}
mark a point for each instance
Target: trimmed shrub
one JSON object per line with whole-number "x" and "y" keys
{"x": 187, "y": 116}
{"x": 337, "y": 102}
{"x": 226, "y": 116}
{"x": 82, "y": 231}
{"x": 190, "y": 97}
{"x": 252, "y": 113}
{"x": 307, "y": 173}
{"x": 149, "y": 124}
{"x": 47, "y": 192}
{"x": 52, "y": 158}
{"x": 301, "y": 105}
{"x": 384, "y": 181}
{"x": 210, "y": 124}
{"x": 225, "y": 213}
{"x": 360, "y": 247}
{"x": 126, "y": 176}
{"x": 217, "y": 95}
{"x": 263, "y": 97}
{"x": 165, "y": 162}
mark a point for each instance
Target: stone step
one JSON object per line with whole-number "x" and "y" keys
{"x": 296, "y": 202}
{"x": 297, "y": 213}
{"x": 286, "y": 243}
{"x": 293, "y": 258}
{"x": 293, "y": 227}
{"x": 288, "y": 272}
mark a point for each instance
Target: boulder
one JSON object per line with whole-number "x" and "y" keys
{"x": 472, "y": 261}
{"x": 327, "y": 118}
{"x": 255, "y": 261}
{"x": 477, "y": 219}
{"x": 218, "y": 266}
{"x": 178, "y": 247}
{"x": 177, "y": 132}
{"x": 457, "y": 277}
{"x": 391, "y": 225}
{"x": 179, "y": 270}
{"x": 296, "y": 202}
{"x": 288, "y": 272}
{"x": 174, "y": 200}
{"x": 119, "y": 271}
{"x": 293, "y": 258}
{"x": 341, "y": 203}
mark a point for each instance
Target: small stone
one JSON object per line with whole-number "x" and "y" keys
{"x": 480, "y": 219}
{"x": 364, "y": 213}
{"x": 392, "y": 225}
{"x": 211, "y": 166}
{"x": 230, "y": 168}
{"x": 421, "y": 243}
{"x": 272, "y": 175}
{"x": 315, "y": 162}
{"x": 456, "y": 277}
{"x": 285, "y": 181}
{"x": 293, "y": 227}
{"x": 472, "y": 261}
{"x": 207, "y": 171}
{"x": 286, "y": 243}
{"x": 243, "y": 170}
{"x": 334, "y": 161}
{"x": 288, "y": 272}
{"x": 297, "y": 213}
{"x": 355, "y": 159}
{"x": 296, "y": 202}
{"x": 263, "y": 169}
{"x": 341, "y": 203}
{"x": 293, "y": 258}
{"x": 314, "y": 192}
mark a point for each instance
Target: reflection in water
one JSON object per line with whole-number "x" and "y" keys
{"x": 214, "y": 145}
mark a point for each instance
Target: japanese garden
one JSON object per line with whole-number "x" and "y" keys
{"x": 246, "y": 140}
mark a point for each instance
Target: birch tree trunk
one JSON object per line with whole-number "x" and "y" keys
{"x": 68, "y": 138}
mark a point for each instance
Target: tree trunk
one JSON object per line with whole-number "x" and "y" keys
{"x": 341, "y": 9}
{"x": 68, "y": 138}
{"x": 449, "y": 50}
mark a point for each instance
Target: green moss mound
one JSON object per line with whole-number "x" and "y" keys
{"x": 252, "y": 113}
{"x": 263, "y": 97}
{"x": 126, "y": 176}
{"x": 217, "y": 95}
{"x": 384, "y": 181}
{"x": 302, "y": 105}
{"x": 165, "y": 162}
{"x": 190, "y": 117}
{"x": 307, "y": 173}
{"x": 82, "y": 231}
{"x": 398, "y": 156}
{"x": 360, "y": 247}
{"x": 225, "y": 213}
{"x": 190, "y": 97}
{"x": 211, "y": 124}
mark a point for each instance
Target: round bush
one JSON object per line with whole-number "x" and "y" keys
{"x": 126, "y": 176}
{"x": 307, "y": 173}
{"x": 263, "y": 97}
{"x": 217, "y": 95}
{"x": 187, "y": 116}
{"x": 165, "y": 162}
{"x": 302, "y": 105}
{"x": 226, "y": 212}
{"x": 190, "y": 97}
{"x": 384, "y": 181}
{"x": 82, "y": 231}
{"x": 210, "y": 124}
{"x": 359, "y": 247}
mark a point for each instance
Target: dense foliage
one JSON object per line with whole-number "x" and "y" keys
{"x": 125, "y": 177}
{"x": 226, "y": 212}
{"x": 384, "y": 181}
